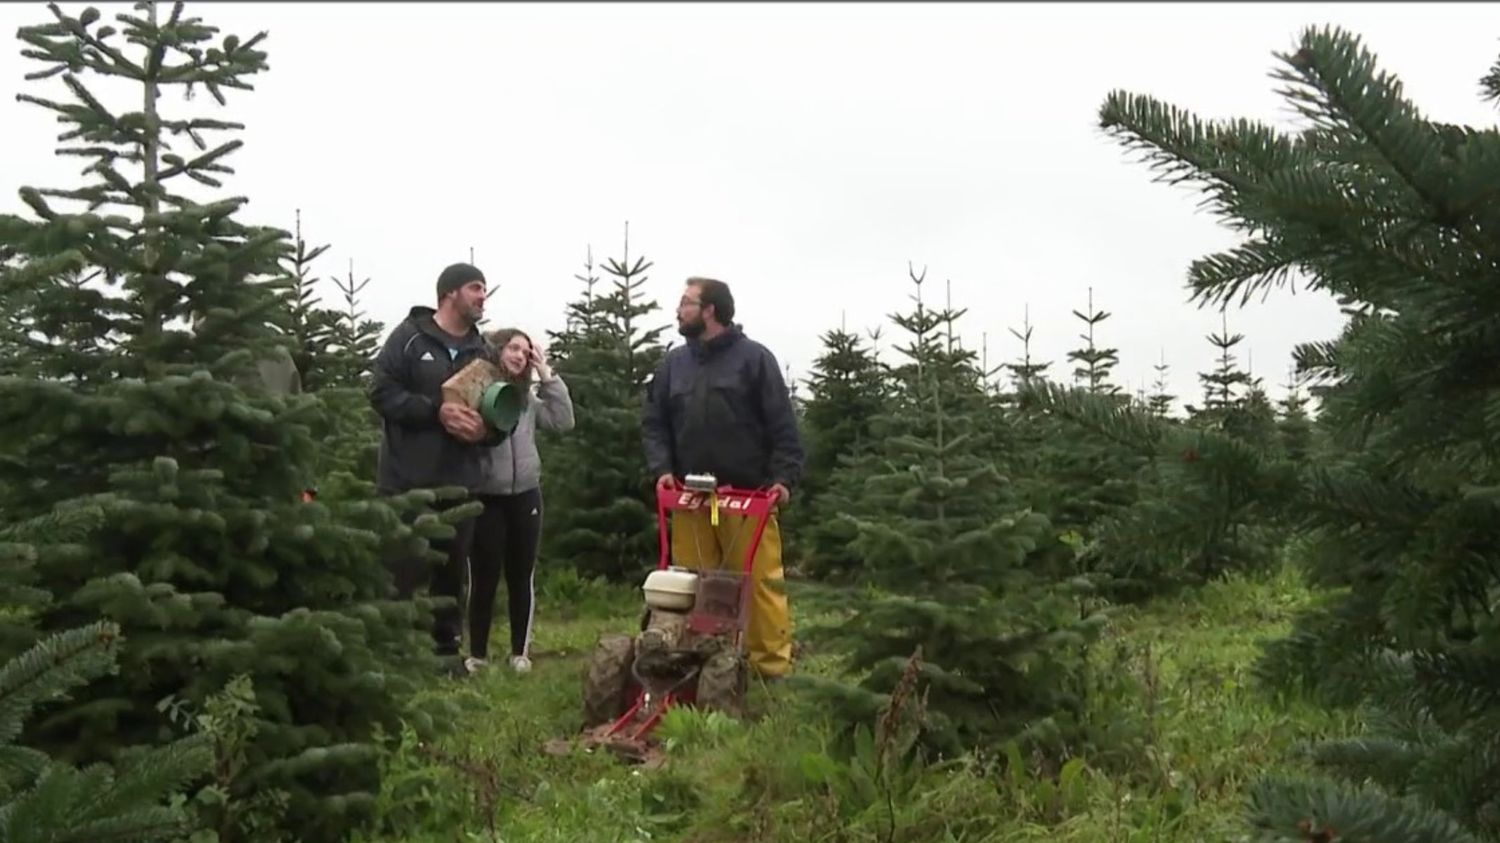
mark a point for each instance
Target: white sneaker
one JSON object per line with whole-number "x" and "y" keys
{"x": 474, "y": 665}
{"x": 520, "y": 664}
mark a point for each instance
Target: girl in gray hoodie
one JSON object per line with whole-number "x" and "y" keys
{"x": 508, "y": 532}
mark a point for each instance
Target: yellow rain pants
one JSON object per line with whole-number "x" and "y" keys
{"x": 697, "y": 543}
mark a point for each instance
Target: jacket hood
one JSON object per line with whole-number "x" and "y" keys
{"x": 421, "y": 316}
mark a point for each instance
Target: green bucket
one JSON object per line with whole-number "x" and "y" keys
{"x": 500, "y": 406}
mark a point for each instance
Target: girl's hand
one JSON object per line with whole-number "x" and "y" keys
{"x": 539, "y": 363}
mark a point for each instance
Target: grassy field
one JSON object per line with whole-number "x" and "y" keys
{"x": 1185, "y": 727}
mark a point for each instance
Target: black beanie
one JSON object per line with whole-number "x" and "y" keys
{"x": 456, "y": 276}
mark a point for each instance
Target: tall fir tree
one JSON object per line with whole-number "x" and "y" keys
{"x": 203, "y": 555}
{"x": 599, "y": 518}
{"x": 303, "y": 300}
{"x": 847, "y": 389}
{"x": 1387, "y": 210}
{"x": 960, "y": 565}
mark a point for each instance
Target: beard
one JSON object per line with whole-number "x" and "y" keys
{"x": 693, "y": 329}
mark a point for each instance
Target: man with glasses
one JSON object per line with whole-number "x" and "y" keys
{"x": 718, "y": 405}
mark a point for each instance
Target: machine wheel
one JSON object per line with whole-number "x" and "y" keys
{"x": 722, "y": 683}
{"x": 607, "y": 680}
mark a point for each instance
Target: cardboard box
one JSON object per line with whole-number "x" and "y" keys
{"x": 468, "y": 385}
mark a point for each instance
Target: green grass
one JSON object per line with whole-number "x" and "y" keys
{"x": 1185, "y": 727}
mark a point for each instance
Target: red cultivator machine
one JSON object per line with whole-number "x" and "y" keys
{"x": 691, "y": 648}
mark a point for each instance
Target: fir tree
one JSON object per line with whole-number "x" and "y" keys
{"x": 1074, "y": 475}
{"x": 41, "y": 799}
{"x": 1028, "y": 430}
{"x": 960, "y": 564}
{"x": 1220, "y": 395}
{"x": 599, "y": 518}
{"x": 798, "y": 405}
{"x": 353, "y": 338}
{"x": 847, "y": 389}
{"x": 336, "y": 348}
{"x": 987, "y": 372}
{"x": 303, "y": 298}
{"x": 1253, "y": 420}
{"x": 336, "y": 345}
{"x": 340, "y": 375}
{"x": 1160, "y": 401}
{"x": 1387, "y": 210}
{"x": 203, "y": 554}
{"x": 1198, "y": 496}
{"x": 1095, "y": 364}
{"x": 1234, "y": 400}
{"x": 1293, "y": 423}
{"x": 30, "y": 323}
{"x": 1024, "y": 370}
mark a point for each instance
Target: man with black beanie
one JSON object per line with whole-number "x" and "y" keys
{"x": 425, "y": 443}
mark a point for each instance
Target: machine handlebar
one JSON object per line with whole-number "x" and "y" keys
{"x": 756, "y": 504}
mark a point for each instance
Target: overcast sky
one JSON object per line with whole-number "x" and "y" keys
{"x": 802, "y": 152}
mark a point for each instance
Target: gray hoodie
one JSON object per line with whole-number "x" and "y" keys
{"x": 514, "y": 466}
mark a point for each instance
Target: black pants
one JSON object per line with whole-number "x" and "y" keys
{"x": 443, "y": 580}
{"x": 506, "y": 538}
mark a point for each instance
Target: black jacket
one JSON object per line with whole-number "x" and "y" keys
{"x": 721, "y": 407}
{"x": 416, "y": 451}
